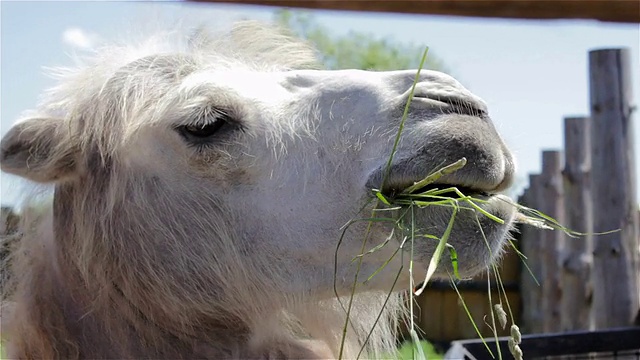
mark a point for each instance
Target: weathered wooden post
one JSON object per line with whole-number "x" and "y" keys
{"x": 576, "y": 266}
{"x": 551, "y": 242}
{"x": 533, "y": 317}
{"x": 530, "y": 291}
{"x": 615, "y": 206}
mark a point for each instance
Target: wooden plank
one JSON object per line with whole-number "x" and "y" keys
{"x": 477, "y": 303}
{"x": 626, "y": 11}
{"x": 431, "y": 314}
{"x": 515, "y": 301}
{"x": 509, "y": 266}
{"x": 576, "y": 267}
{"x": 450, "y": 316}
{"x": 442, "y": 317}
{"x": 531, "y": 247}
{"x": 616, "y": 265}
{"x": 551, "y": 242}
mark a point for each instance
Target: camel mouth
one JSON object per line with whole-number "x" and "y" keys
{"x": 453, "y": 186}
{"x": 448, "y": 190}
{"x": 467, "y": 181}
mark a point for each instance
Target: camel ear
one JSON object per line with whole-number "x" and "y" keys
{"x": 40, "y": 150}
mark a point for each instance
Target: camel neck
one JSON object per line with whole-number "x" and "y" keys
{"x": 103, "y": 321}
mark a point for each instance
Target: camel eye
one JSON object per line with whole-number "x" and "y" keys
{"x": 202, "y": 133}
{"x": 204, "y": 130}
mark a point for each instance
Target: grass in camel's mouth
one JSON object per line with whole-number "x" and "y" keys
{"x": 447, "y": 191}
{"x": 394, "y": 186}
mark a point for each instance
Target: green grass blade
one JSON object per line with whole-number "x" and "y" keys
{"x": 405, "y": 114}
{"x": 453, "y": 255}
{"x": 435, "y": 259}
{"x": 466, "y": 309}
{"x": 436, "y": 175}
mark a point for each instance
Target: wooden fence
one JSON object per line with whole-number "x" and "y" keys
{"x": 592, "y": 281}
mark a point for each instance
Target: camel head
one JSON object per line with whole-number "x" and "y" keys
{"x": 232, "y": 165}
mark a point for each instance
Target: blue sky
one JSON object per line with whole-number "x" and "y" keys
{"x": 531, "y": 73}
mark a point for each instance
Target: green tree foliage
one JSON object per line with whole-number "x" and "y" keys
{"x": 355, "y": 50}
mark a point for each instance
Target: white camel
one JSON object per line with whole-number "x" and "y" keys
{"x": 201, "y": 185}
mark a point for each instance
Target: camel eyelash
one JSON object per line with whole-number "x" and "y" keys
{"x": 210, "y": 123}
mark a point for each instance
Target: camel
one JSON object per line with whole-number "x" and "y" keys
{"x": 202, "y": 182}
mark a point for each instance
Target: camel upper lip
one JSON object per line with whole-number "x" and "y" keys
{"x": 453, "y": 104}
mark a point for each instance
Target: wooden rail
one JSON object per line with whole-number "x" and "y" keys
{"x": 625, "y": 11}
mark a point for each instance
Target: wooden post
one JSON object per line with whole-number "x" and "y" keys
{"x": 527, "y": 283}
{"x": 576, "y": 274}
{"x": 615, "y": 266}
{"x": 551, "y": 242}
{"x": 531, "y": 247}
